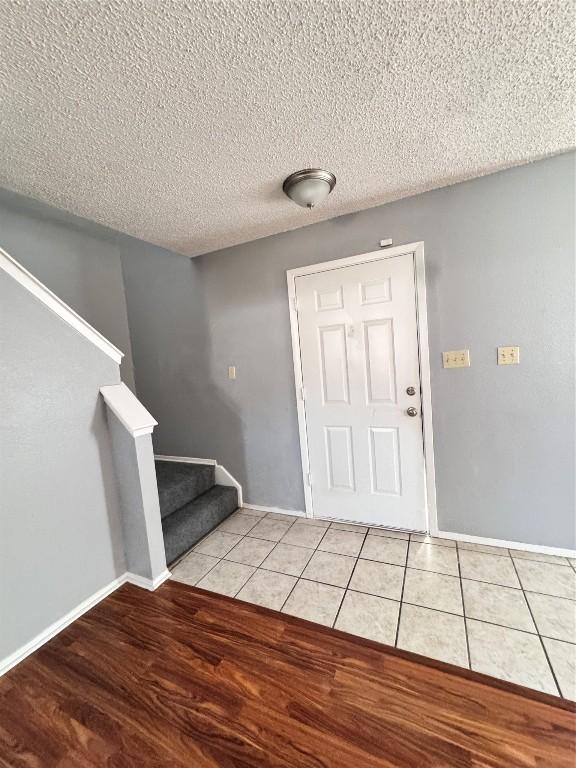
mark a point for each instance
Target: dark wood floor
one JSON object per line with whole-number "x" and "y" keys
{"x": 185, "y": 678}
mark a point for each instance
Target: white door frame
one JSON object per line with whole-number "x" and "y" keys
{"x": 417, "y": 249}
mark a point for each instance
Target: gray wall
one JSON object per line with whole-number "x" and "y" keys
{"x": 78, "y": 260}
{"x": 500, "y": 271}
{"x": 60, "y": 527}
{"x": 171, "y": 338}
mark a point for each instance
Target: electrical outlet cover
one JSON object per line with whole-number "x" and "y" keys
{"x": 508, "y": 355}
{"x": 456, "y": 358}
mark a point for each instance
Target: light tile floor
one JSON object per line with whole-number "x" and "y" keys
{"x": 507, "y": 613}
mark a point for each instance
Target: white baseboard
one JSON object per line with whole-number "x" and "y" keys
{"x": 58, "y": 626}
{"x": 223, "y": 477}
{"x": 221, "y": 474}
{"x": 558, "y": 551}
{"x": 149, "y": 584}
{"x": 51, "y": 631}
{"x": 279, "y": 510}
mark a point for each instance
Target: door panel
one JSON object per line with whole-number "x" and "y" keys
{"x": 385, "y": 460}
{"x": 375, "y": 293}
{"x": 331, "y": 299}
{"x": 359, "y": 354}
{"x": 379, "y": 360}
{"x": 334, "y": 364}
{"x": 339, "y": 458}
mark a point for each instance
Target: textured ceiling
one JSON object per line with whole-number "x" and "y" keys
{"x": 177, "y": 121}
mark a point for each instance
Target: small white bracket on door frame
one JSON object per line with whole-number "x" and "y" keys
{"x": 417, "y": 249}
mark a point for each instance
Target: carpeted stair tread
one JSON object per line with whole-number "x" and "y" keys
{"x": 180, "y": 483}
{"x": 185, "y": 527}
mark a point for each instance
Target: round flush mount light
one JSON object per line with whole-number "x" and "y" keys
{"x": 309, "y": 187}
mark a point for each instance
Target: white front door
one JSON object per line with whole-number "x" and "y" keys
{"x": 359, "y": 356}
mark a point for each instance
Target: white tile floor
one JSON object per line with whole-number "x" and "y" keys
{"x": 503, "y": 612}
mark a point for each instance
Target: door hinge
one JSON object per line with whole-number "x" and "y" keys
{"x": 309, "y": 479}
{"x": 302, "y": 393}
{"x": 295, "y": 302}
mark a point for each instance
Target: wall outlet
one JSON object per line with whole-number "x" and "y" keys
{"x": 508, "y": 355}
{"x": 231, "y": 371}
{"x": 456, "y": 358}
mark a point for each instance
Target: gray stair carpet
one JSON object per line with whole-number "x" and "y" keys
{"x": 179, "y": 483}
{"x": 184, "y": 528}
{"x": 191, "y": 505}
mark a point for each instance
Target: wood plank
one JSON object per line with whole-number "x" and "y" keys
{"x": 183, "y": 677}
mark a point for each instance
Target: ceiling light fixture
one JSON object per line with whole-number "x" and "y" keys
{"x": 309, "y": 187}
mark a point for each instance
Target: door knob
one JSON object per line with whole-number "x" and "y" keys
{"x": 410, "y": 391}
{"x": 412, "y": 411}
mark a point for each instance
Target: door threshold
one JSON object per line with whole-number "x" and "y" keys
{"x": 370, "y": 525}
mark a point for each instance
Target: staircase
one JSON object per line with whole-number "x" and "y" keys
{"x": 191, "y": 504}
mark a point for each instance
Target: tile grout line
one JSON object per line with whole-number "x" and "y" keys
{"x": 219, "y": 560}
{"x": 239, "y": 562}
{"x": 223, "y": 557}
{"x": 442, "y": 573}
{"x": 373, "y": 594}
{"x": 538, "y": 631}
{"x": 468, "y": 546}
{"x": 280, "y": 573}
{"x": 483, "y": 621}
{"x": 463, "y": 608}
{"x": 467, "y": 578}
{"x": 299, "y": 578}
{"x": 408, "y": 543}
{"x": 347, "y": 587}
{"x": 257, "y": 567}
{"x": 391, "y": 599}
{"x": 458, "y": 545}
{"x": 384, "y": 562}
{"x": 235, "y": 595}
{"x": 402, "y": 601}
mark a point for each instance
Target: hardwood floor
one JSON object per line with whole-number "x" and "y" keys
{"x": 182, "y": 677}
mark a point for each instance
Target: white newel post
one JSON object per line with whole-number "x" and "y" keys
{"x": 131, "y": 429}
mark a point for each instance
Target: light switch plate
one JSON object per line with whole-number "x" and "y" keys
{"x": 508, "y": 355}
{"x": 456, "y": 358}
